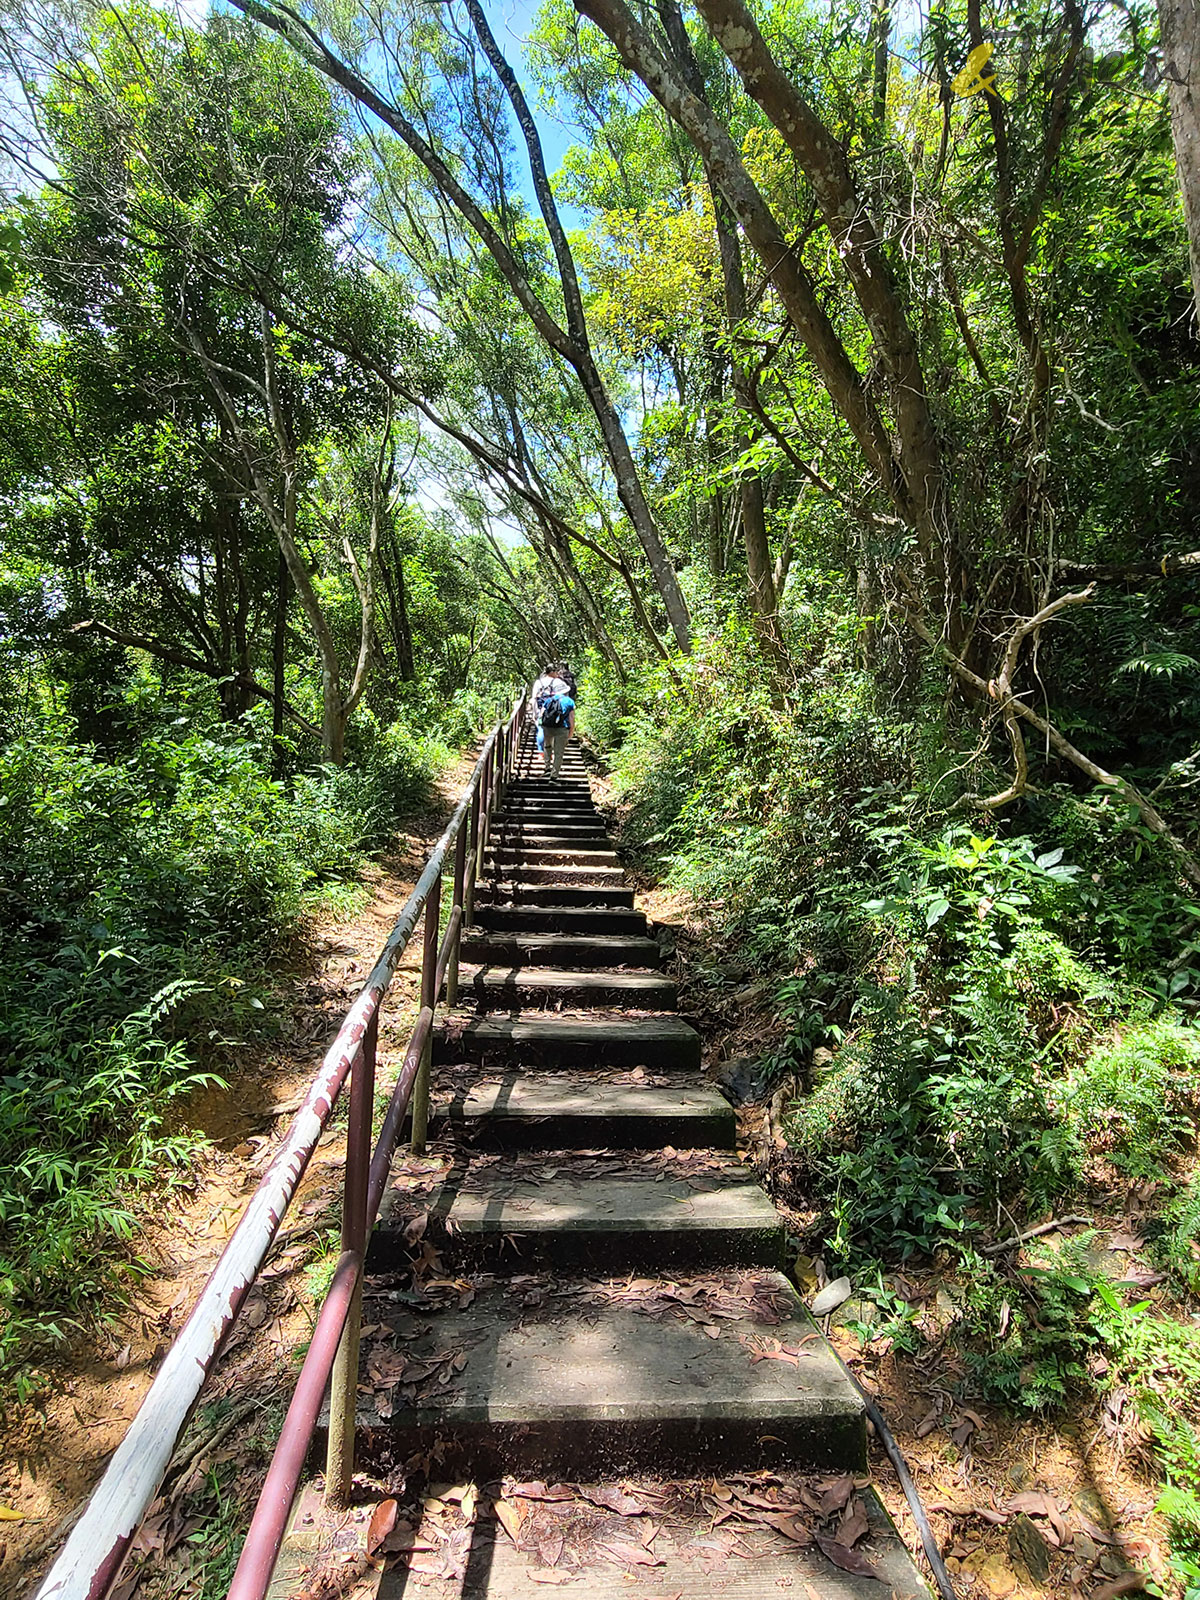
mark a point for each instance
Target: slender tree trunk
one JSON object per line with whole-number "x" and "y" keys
{"x": 279, "y": 660}
{"x": 392, "y": 571}
{"x": 881, "y": 30}
{"x": 1179, "y": 26}
{"x": 750, "y": 492}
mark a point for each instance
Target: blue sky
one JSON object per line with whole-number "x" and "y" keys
{"x": 512, "y": 21}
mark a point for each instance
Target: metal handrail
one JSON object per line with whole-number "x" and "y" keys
{"x": 92, "y": 1556}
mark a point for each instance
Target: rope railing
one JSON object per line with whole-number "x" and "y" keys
{"x": 92, "y": 1556}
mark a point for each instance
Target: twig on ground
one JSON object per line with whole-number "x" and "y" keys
{"x": 181, "y": 1465}
{"x": 1031, "y": 1233}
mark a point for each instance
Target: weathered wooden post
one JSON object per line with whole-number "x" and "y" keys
{"x": 458, "y": 904}
{"x": 420, "y": 1097}
{"x": 472, "y": 865}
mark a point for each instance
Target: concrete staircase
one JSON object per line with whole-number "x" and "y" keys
{"x": 597, "y": 1292}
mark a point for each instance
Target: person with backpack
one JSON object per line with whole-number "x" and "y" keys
{"x": 556, "y": 724}
{"x": 543, "y": 688}
{"x": 568, "y": 677}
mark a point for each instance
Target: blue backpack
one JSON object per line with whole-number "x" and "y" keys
{"x": 557, "y": 711}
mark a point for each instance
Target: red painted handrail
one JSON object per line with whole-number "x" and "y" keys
{"x": 92, "y": 1556}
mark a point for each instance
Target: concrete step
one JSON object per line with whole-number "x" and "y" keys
{"x": 555, "y": 1111}
{"x": 506, "y": 855}
{"x": 508, "y": 988}
{"x": 541, "y": 789}
{"x": 522, "y": 840}
{"x": 708, "y": 1546}
{"x": 568, "y": 877}
{"x": 578, "y": 818}
{"x": 573, "y": 951}
{"x": 591, "y": 842}
{"x": 661, "y": 1044}
{"x": 587, "y": 920}
{"x": 520, "y": 892}
{"x": 558, "y": 1374}
{"x": 556, "y": 799}
{"x": 622, "y": 1212}
{"x": 535, "y": 833}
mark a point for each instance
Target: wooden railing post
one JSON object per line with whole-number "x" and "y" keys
{"x": 472, "y": 865}
{"x": 343, "y": 1385}
{"x": 458, "y": 903}
{"x": 485, "y": 806}
{"x": 420, "y": 1095}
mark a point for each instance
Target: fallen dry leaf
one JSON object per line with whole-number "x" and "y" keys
{"x": 614, "y": 1499}
{"x": 791, "y": 1527}
{"x": 834, "y": 1496}
{"x": 428, "y": 1562}
{"x": 415, "y": 1229}
{"x": 960, "y": 1430}
{"x": 633, "y": 1555}
{"x": 1126, "y": 1240}
{"x": 854, "y": 1525}
{"x": 383, "y": 1520}
{"x": 510, "y": 1518}
{"x": 848, "y": 1560}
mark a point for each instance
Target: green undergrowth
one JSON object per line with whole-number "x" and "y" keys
{"x": 990, "y": 1019}
{"x": 149, "y": 893}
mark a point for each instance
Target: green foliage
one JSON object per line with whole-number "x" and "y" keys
{"x": 988, "y": 1051}
{"x": 1136, "y": 1095}
{"x": 1177, "y": 1244}
{"x": 144, "y": 898}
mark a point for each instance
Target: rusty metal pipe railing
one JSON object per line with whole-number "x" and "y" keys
{"x": 90, "y": 1560}
{"x": 287, "y": 1464}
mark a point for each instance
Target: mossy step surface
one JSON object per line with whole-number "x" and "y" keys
{"x": 560, "y": 1374}
{"x": 612, "y": 1039}
{"x": 556, "y": 1111}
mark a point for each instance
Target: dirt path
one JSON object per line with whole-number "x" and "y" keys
{"x": 53, "y": 1452}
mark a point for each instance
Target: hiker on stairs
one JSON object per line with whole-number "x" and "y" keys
{"x": 556, "y": 724}
{"x": 543, "y": 688}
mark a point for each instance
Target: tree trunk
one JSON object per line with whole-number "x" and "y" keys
{"x": 859, "y": 248}
{"x": 279, "y": 660}
{"x": 881, "y": 30}
{"x": 1179, "y": 27}
{"x": 397, "y": 603}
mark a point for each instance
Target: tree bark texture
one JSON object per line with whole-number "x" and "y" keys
{"x": 1179, "y": 30}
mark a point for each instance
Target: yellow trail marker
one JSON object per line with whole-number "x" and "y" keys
{"x": 971, "y": 79}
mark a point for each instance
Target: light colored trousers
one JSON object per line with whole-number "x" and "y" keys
{"x": 556, "y": 743}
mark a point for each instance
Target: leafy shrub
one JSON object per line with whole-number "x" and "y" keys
{"x": 968, "y": 971}
{"x": 142, "y": 898}
{"x": 1137, "y": 1094}
{"x": 1178, "y": 1243}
